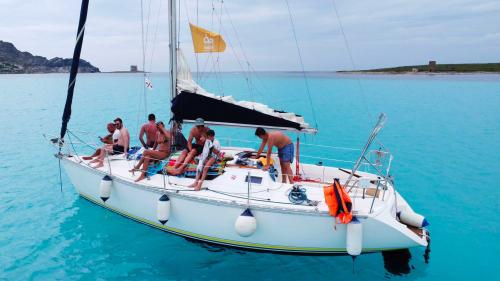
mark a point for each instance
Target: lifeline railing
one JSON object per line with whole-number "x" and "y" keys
{"x": 365, "y": 159}
{"x": 351, "y": 183}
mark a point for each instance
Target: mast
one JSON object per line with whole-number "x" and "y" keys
{"x": 172, "y": 20}
{"x": 74, "y": 68}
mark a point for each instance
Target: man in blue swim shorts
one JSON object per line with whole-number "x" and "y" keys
{"x": 285, "y": 150}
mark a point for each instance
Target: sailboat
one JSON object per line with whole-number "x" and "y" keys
{"x": 326, "y": 210}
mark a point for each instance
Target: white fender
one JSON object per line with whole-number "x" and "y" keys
{"x": 105, "y": 189}
{"x": 163, "y": 209}
{"x": 408, "y": 217}
{"x": 246, "y": 224}
{"x": 354, "y": 239}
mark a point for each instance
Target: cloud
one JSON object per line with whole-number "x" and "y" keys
{"x": 379, "y": 33}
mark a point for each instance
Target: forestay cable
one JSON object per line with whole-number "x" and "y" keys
{"x": 143, "y": 35}
{"x": 302, "y": 64}
{"x": 349, "y": 52}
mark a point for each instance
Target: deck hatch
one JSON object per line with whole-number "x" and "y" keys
{"x": 253, "y": 179}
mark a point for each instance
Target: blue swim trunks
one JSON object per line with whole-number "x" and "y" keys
{"x": 286, "y": 153}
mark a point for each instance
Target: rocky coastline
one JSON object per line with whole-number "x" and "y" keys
{"x": 13, "y": 61}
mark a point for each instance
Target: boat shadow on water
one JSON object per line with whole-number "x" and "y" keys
{"x": 396, "y": 263}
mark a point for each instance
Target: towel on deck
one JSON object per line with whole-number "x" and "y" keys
{"x": 190, "y": 172}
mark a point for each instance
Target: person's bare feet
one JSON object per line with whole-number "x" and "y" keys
{"x": 133, "y": 170}
{"x": 94, "y": 161}
{"x": 140, "y": 178}
{"x": 99, "y": 165}
{"x": 198, "y": 186}
{"x": 87, "y": 157}
{"x": 194, "y": 184}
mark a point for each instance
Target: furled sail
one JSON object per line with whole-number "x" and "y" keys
{"x": 74, "y": 68}
{"x": 192, "y": 101}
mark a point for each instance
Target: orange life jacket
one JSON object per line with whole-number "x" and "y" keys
{"x": 338, "y": 201}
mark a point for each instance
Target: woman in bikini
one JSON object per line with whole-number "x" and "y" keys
{"x": 160, "y": 151}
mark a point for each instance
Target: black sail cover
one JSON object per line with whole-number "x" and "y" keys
{"x": 189, "y": 106}
{"x": 192, "y": 102}
{"x": 74, "y": 68}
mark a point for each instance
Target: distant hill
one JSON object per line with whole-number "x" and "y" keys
{"x": 14, "y": 61}
{"x": 448, "y": 68}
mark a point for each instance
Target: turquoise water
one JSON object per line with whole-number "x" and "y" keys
{"x": 443, "y": 130}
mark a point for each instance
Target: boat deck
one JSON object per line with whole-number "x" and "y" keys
{"x": 232, "y": 186}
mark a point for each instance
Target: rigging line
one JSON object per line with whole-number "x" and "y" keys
{"x": 143, "y": 59}
{"x": 250, "y": 70}
{"x": 211, "y": 54}
{"x": 239, "y": 63}
{"x": 178, "y": 27}
{"x": 302, "y": 64}
{"x": 155, "y": 34}
{"x": 250, "y": 67}
{"x": 196, "y": 54}
{"x": 186, "y": 8}
{"x": 147, "y": 25}
{"x": 349, "y": 52}
{"x": 198, "y": 75}
{"x": 233, "y": 50}
{"x": 218, "y": 53}
{"x": 205, "y": 72}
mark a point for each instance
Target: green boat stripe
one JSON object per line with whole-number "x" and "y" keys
{"x": 215, "y": 240}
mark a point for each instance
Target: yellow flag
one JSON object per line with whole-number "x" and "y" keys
{"x": 205, "y": 41}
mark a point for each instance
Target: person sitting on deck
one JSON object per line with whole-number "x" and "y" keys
{"x": 179, "y": 142}
{"x": 162, "y": 144}
{"x": 150, "y": 129}
{"x": 113, "y": 136}
{"x": 121, "y": 146}
{"x": 285, "y": 151}
{"x": 199, "y": 134}
{"x": 210, "y": 154}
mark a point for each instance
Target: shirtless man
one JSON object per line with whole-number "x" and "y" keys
{"x": 199, "y": 133}
{"x": 149, "y": 129}
{"x": 285, "y": 151}
{"x": 121, "y": 146}
{"x": 159, "y": 151}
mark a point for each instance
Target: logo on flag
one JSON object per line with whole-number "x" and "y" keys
{"x": 149, "y": 85}
{"x": 205, "y": 41}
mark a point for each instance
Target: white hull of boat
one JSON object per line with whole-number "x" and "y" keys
{"x": 212, "y": 219}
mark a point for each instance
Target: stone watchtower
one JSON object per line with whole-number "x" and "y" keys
{"x": 432, "y": 66}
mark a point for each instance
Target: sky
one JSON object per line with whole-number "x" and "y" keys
{"x": 259, "y": 33}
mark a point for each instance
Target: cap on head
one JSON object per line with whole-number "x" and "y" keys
{"x": 151, "y": 117}
{"x": 199, "y": 122}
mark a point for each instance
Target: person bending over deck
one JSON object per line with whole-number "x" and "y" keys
{"x": 113, "y": 136}
{"x": 210, "y": 154}
{"x": 199, "y": 134}
{"x": 285, "y": 151}
{"x": 150, "y": 129}
{"x": 162, "y": 143}
{"x": 121, "y": 146}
